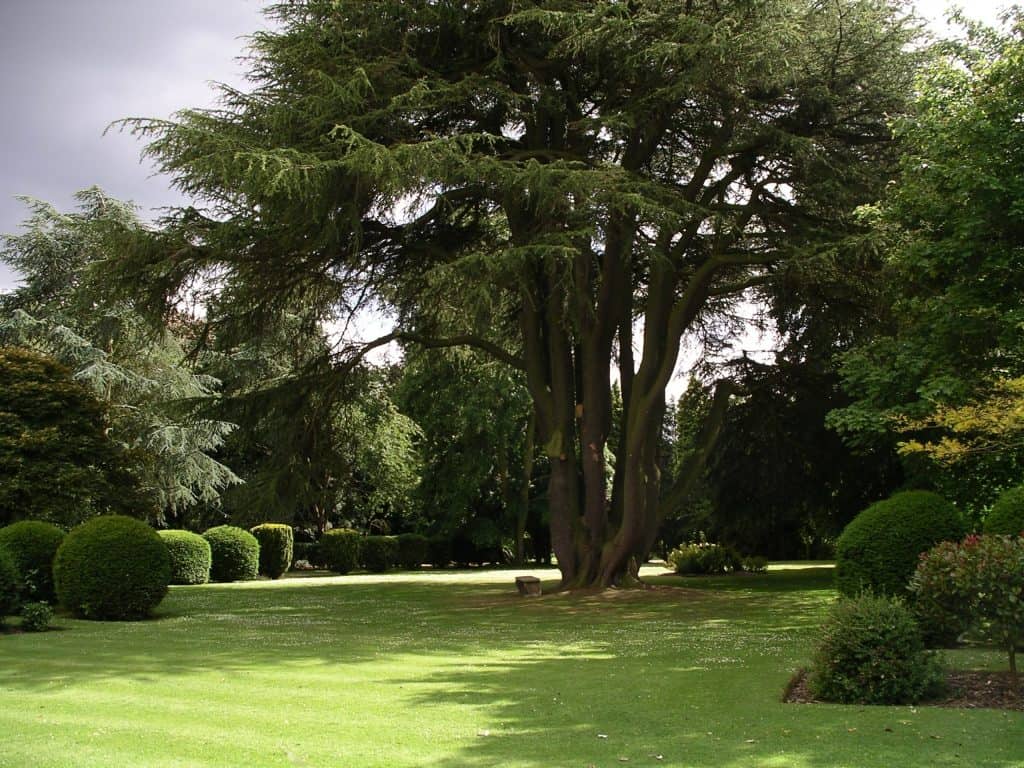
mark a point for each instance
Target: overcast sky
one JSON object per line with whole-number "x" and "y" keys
{"x": 68, "y": 68}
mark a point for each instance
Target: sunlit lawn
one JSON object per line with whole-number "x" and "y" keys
{"x": 456, "y": 670}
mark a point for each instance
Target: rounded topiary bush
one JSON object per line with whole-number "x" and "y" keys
{"x": 379, "y": 553}
{"x": 33, "y": 545}
{"x": 413, "y": 550}
{"x": 276, "y": 547}
{"x": 112, "y": 568}
{"x": 10, "y": 585}
{"x": 872, "y": 652}
{"x": 878, "y": 551}
{"x": 340, "y": 549}
{"x": 1007, "y": 515}
{"x": 236, "y": 553}
{"x": 191, "y": 557}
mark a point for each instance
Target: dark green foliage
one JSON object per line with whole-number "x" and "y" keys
{"x": 191, "y": 557}
{"x": 10, "y": 585}
{"x": 112, "y": 568}
{"x": 35, "y": 617}
{"x": 277, "y": 542}
{"x": 938, "y": 599}
{"x": 439, "y": 551}
{"x": 339, "y": 549}
{"x": 308, "y": 551}
{"x": 872, "y": 652}
{"x": 1007, "y": 514}
{"x": 413, "y": 549}
{"x": 379, "y": 553}
{"x": 879, "y": 549}
{"x": 56, "y": 460}
{"x": 755, "y": 564}
{"x": 33, "y": 544}
{"x": 236, "y": 554}
{"x": 704, "y": 559}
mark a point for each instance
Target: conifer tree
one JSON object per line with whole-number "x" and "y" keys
{"x": 614, "y": 172}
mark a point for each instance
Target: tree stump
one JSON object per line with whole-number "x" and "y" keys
{"x": 528, "y": 586}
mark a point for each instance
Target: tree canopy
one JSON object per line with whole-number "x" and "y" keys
{"x": 615, "y": 174}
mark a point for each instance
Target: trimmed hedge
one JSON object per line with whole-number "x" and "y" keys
{"x": 413, "y": 550}
{"x": 10, "y": 585}
{"x": 879, "y": 550}
{"x": 1007, "y": 515}
{"x": 379, "y": 553}
{"x": 439, "y": 551}
{"x": 339, "y": 549}
{"x": 112, "y": 568}
{"x": 277, "y": 544}
{"x": 236, "y": 554}
{"x": 872, "y": 652}
{"x": 33, "y": 545}
{"x": 191, "y": 557}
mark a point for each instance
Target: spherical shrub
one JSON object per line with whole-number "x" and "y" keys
{"x": 276, "y": 546}
{"x": 10, "y": 585}
{"x": 33, "y": 545}
{"x": 379, "y": 553}
{"x": 236, "y": 553}
{"x": 35, "y": 617}
{"x": 112, "y": 568}
{"x": 879, "y": 549}
{"x": 191, "y": 557}
{"x": 340, "y": 549}
{"x": 872, "y": 652}
{"x": 1007, "y": 515}
{"x": 413, "y": 550}
{"x": 940, "y": 603}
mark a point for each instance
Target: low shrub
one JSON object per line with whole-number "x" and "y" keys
{"x": 236, "y": 554}
{"x": 379, "y": 553}
{"x": 340, "y": 549}
{"x": 1006, "y": 517}
{"x": 872, "y": 652}
{"x": 937, "y": 597}
{"x": 878, "y": 551}
{"x": 191, "y": 557}
{"x": 439, "y": 551}
{"x": 10, "y": 585}
{"x": 755, "y": 564}
{"x": 992, "y": 571}
{"x": 277, "y": 544}
{"x": 308, "y": 551}
{"x": 703, "y": 558}
{"x": 33, "y": 545}
{"x": 36, "y": 617}
{"x": 112, "y": 568}
{"x": 413, "y": 550}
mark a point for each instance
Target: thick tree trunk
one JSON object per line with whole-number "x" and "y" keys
{"x": 523, "y": 509}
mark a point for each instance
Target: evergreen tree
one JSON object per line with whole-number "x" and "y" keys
{"x": 593, "y": 162}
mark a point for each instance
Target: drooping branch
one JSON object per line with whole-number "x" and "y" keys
{"x": 465, "y": 340}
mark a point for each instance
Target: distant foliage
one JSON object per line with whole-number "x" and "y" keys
{"x": 755, "y": 564}
{"x": 56, "y": 460}
{"x": 379, "y": 553}
{"x": 10, "y": 585}
{"x": 36, "y": 617}
{"x": 191, "y": 557}
{"x": 33, "y": 545}
{"x": 413, "y": 550}
{"x": 340, "y": 549}
{"x": 872, "y": 652}
{"x": 277, "y": 544}
{"x": 879, "y": 550}
{"x": 938, "y": 596}
{"x": 1007, "y": 514}
{"x": 236, "y": 554}
{"x": 112, "y": 568}
{"x": 703, "y": 558}
{"x": 439, "y": 551}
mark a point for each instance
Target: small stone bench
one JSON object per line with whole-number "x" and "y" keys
{"x": 528, "y": 586}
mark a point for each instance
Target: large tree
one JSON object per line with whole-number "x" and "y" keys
{"x": 613, "y": 172}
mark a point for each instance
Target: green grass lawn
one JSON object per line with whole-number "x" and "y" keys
{"x": 454, "y": 669}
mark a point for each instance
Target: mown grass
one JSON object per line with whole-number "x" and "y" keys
{"x": 456, "y": 670}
